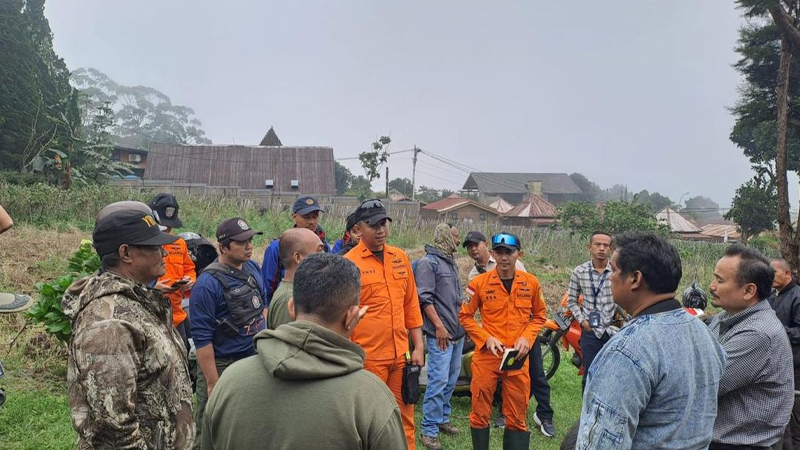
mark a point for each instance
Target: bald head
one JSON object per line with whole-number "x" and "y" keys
{"x": 295, "y": 244}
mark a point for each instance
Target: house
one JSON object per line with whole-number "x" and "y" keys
{"x": 533, "y": 212}
{"x": 556, "y": 188}
{"x": 680, "y": 225}
{"x": 722, "y": 232}
{"x": 457, "y": 209}
{"x": 279, "y": 169}
{"x": 501, "y": 206}
{"x": 136, "y": 157}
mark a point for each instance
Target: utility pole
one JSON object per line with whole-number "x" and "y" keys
{"x": 414, "y": 175}
{"x": 387, "y": 182}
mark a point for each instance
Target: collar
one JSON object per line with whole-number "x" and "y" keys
{"x": 362, "y": 250}
{"x": 590, "y": 266}
{"x": 660, "y": 307}
{"x": 788, "y": 287}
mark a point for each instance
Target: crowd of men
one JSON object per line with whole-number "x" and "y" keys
{"x": 313, "y": 348}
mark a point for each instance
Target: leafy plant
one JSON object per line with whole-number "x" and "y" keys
{"x": 47, "y": 310}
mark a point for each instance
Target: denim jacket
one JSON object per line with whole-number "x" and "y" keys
{"x": 653, "y": 386}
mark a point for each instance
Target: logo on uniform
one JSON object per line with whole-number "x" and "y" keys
{"x": 309, "y": 201}
{"x": 256, "y": 301}
{"x": 243, "y": 225}
{"x": 468, "y": 297}
{"x": 149, "y": 220}
{"x": 169, "y": 212}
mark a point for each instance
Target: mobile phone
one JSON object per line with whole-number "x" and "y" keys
{"x": 179, "y": 283}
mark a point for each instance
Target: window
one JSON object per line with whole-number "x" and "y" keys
{"x": 269, "y": 183}
{"x": 295, "y": 184}
{"x": 482, "y": 216}
{"x": 134, "y": 158}
{"x": 454, "y": 216}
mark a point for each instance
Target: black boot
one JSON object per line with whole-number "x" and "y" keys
{"x": 480, "y": 438}
{"x": 516, "y": 440}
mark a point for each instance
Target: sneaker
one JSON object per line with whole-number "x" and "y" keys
{"x": 448, "y": 428}
{"x": 431, "y": 442}
{"x": 545, "y": 425}
{"x": 500, "y": 422}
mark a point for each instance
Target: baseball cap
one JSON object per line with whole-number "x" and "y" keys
{"x": 351, "y": 221}
{"x": 165, "y": 210}
{"x": 371, "y": 211}
{"x": 130, "y": 227}
{"x": 474, "y": 237}
{"x": 121, "y": 206}
{"x": 506, "y": 240}
{"x": 235, "y": 229}
{"x": 306, "y": 204}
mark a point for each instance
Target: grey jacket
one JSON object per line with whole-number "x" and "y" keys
{"x": 438, "y": 284}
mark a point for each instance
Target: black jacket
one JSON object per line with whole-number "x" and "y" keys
{"x": 786, "y": 304}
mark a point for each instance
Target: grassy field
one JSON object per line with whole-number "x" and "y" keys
{"x": 50, "y": 226}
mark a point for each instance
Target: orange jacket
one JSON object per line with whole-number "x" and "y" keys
{"x": 391, "y": 293}
{"x": 178, "y": 265}
{"x": 504, "y": 316}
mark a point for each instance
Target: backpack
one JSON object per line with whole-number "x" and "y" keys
{"x": 201, "y": 252}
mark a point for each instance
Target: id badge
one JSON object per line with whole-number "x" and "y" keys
{"x": 594, "y": 319}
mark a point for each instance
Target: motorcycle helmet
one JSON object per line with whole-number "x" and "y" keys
{"x": 694, "y": 297}
{"x": 200, "y": 250}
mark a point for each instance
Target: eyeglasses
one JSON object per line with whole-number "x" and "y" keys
{"x": 368, "y": 204}
{"x": 506, "y": 239}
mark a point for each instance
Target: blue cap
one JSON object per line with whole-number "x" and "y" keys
{"x": 306, "y": 204}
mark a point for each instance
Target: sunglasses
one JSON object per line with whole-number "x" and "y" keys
{"x": 367, "y": 204}
{"x": 506, "y": 239}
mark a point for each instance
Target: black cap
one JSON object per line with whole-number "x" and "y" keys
{"x": 506, "y": 240}
{"x": 306, "y": 204}
{"x": 371, "y": 212}
{"x": 351, "y": 221}
{"x": 130, "y": 227}
{"x": 235, "y": 229}
{"x": 474, "y": 237}
{"x": 165, "y": 210}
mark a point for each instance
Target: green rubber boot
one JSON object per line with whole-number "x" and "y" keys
{"x": 516, "y": 440}
{"x": 480, "y": 438}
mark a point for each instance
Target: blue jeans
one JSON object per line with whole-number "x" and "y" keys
{"x": 443, "y": 369}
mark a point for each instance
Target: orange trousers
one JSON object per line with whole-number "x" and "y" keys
{"x": 516, "y": 387}
{"x": 391, "y": 372}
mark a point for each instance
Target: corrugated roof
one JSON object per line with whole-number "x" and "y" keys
{"x": 501, "y": 206}
{"x": 721, "y": 230}
{"x": 516, "y": 183}
{"x": 454, "y": 202}
{"x": 677, "y": 223}
{"x": 534, "y": 206}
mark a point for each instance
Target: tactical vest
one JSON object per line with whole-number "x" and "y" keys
{"x": 244, "y": 301}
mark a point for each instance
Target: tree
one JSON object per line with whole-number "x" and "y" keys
{"x": 35, "y": 95}
{"x": 373, "y": 161}
{"x": 613, "y": 217}
{"x": 703, "y": 210}
{"x": 590, "y": 191}
{"x": 767, "y": 112}
{"x": 343, "y": 178}
{"x": 361, "y": 188}
{"x": 143, "y": 115}
{"x": 754, "y": 206}
{"x": 655, "y": 201}
{"x": 401, "y": 185}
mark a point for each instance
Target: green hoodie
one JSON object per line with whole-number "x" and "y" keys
{"x": 305, "y": 389}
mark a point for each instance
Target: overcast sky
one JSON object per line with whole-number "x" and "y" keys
{"x": 623, "y": 92}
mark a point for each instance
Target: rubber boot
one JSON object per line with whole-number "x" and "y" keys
{"x": 480, "y": 438}
{"x": 516, "y": 440}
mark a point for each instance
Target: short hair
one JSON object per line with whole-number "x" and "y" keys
{"x": 653, "y": 256}
{"x": 111, "y": 260}
{"x": 782, "y": 262}
{"x": 753, "y": 268}
{"x": 325, "y": 286}
{"x": 601, "y": 233}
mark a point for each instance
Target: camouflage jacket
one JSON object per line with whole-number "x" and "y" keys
{"x": 128, "y": 378}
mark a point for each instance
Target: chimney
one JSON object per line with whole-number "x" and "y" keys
{"x": 535, "y": 188}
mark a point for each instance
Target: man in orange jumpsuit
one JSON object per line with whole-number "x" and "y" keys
{"x": 389, "y": 290}
{"x": 180, "y": 276}
{"x": 512, "y": 314}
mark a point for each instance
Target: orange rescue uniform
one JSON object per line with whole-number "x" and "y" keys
{"x": 389, "y": 289}
{"x": 504, "y": 316}
{"x": 177, "y": 264}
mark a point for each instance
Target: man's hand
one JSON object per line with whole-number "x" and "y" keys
{"x": 164, "y": 288}
{"x": 442, "y": 337}
{"x": 585, "y": 325}
{"x": 211, "y": 385}
{"x": 418, "y": 357}
{"x": 494, "y": 345}
{"x": 523, "y": 346}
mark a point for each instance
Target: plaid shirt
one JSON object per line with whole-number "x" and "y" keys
{"x": 581, "y": 283}
{"x": 756, "y": 392}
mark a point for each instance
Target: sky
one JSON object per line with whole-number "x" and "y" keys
{"x": 633, "y": 93}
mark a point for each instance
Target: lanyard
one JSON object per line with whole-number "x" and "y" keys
{"x": 596, "y": 290}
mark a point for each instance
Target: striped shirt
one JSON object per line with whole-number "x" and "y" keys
{"x": 584, "y": 281}
{"x": 756, "y": 392}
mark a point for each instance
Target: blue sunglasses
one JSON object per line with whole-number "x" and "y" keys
{"x": 506, "y": 239}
